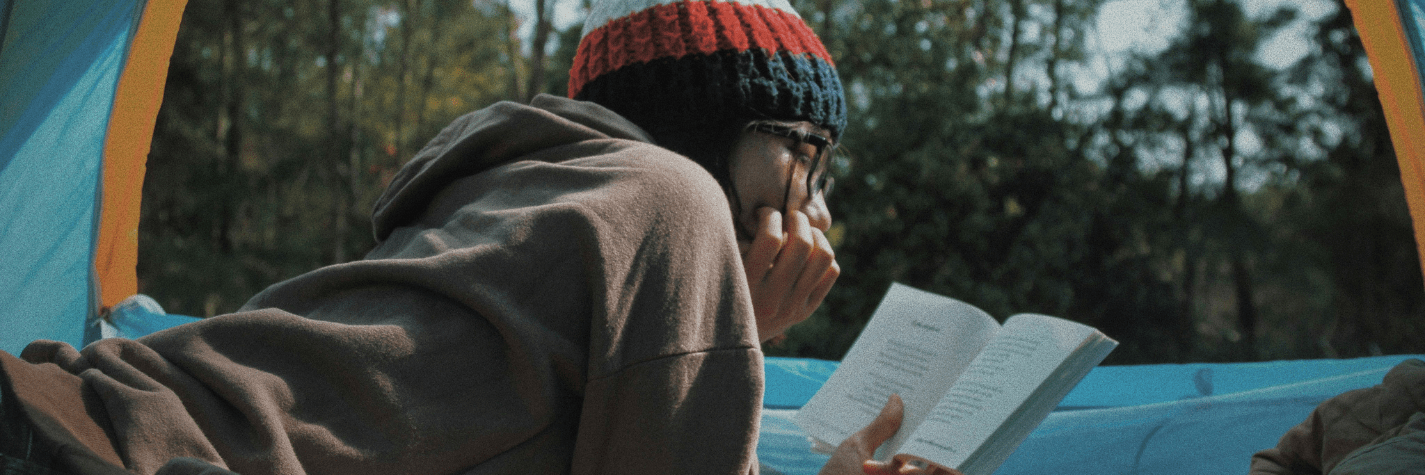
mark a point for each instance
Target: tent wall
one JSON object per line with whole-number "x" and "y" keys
{"x": 1393, "y": 33}
{"x": 140, "y": 93}
{"x": 82, "y": 81}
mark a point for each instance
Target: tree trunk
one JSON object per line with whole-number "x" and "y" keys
{"x": 1052, "y": 66}
{"x": 427, "y": 81}
{"x": 825, "y": 33}
{"x": 1016, "y": 10}
{"x": 229, "y": 128}
{"x": 542, "y": 26}
{"x": 335, "y": 137}
{"x": 1187, "y": 310}
{"x": 512, "y": 45}
{"x": 1246, "y": 306}
{"x": 1241, "y": 274}
{"x": 408, "y": 20}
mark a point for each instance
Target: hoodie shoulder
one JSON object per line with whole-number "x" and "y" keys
{"x": 490, "y": 137}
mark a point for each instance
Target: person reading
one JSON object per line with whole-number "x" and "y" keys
{"x": 574, "y": 285}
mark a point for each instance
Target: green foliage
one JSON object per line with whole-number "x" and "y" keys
{"x": 975, "y": 166}
{"x": 281, "y": 124}
{"x": 1028, "y": 196}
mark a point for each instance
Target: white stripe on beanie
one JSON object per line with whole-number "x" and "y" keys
{"x": 603, "y": 12}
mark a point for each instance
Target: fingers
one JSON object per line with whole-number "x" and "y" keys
{"x": 872, "y": 467}
{"x": 855, "y": 453}
{"x": 791, "y": 263}
{"x": 790, "y": 267}
{"x": 900, "y": 467}
{"x": 861, "y": 446}
{"x": 817, "y": 259}
{"x": 806, "y": 267}
{"x": 881, "y": 429}
{"x": 889, "y": 467}
{"x": 821, "y": 273}
{"x": 885, "y": 425}
{"x": 766, "y": 244}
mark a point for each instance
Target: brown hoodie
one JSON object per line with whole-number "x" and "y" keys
{"x": 549, "y": 294}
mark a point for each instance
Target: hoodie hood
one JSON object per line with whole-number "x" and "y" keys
{"x": 487, "y": 138}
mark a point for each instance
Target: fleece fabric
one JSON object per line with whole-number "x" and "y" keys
{"x": 549, "y": 294}
{"x": 1378, "y": 430}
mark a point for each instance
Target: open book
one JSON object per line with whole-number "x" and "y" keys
{"x": 973, "y": 390}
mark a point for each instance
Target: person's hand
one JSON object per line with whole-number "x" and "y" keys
{"x": 854, "y": 455}
{"x": 790, "y": 268}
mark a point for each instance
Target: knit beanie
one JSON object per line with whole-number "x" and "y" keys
{"x": 684, "y": 70}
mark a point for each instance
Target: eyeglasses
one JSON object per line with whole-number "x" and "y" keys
{"x": 818, "y": 180}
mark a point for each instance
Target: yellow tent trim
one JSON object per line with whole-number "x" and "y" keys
{"x": 126, "y": 146}
{"x": 1397, "y": 81}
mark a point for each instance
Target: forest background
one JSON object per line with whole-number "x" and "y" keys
{"x": 1192, "y": 200}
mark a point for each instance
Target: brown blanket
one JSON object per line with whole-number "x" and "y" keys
{"x": 1370, "y": 427}
{"x": 550, "y": 294}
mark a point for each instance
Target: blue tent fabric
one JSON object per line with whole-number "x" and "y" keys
{"x": 791, "y": 382}
{"x": 60, "y": 62}
{"x": 137, "y": 316}
{"x": 1412, "y": 16}
{"x": 1206, "y": 418}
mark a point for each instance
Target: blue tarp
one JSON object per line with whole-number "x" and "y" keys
{"x": 1206, "y": 418}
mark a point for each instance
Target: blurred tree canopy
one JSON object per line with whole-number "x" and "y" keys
{"x": 1192, "y": 202}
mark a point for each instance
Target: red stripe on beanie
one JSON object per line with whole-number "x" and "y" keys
{"x": 798, "y": 31}
{"x": 756, "y": 28}
{"x": 729, "y": 27}
{"x": 784, "y": 34}
{"x": 639, "y": 42}
{"x": 595, "y": 57}
{"x": 669, "y": 31}
{"x": 614, "y": 43}
{"x": 704, "y": 37}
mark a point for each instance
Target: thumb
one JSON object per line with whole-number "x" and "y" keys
{"x": 885, "y": 425}
{"x": 872, "y": 467}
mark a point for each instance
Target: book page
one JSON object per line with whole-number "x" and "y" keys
{"x": 915, "y": 345}
{"x": 1009, "y": 369}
